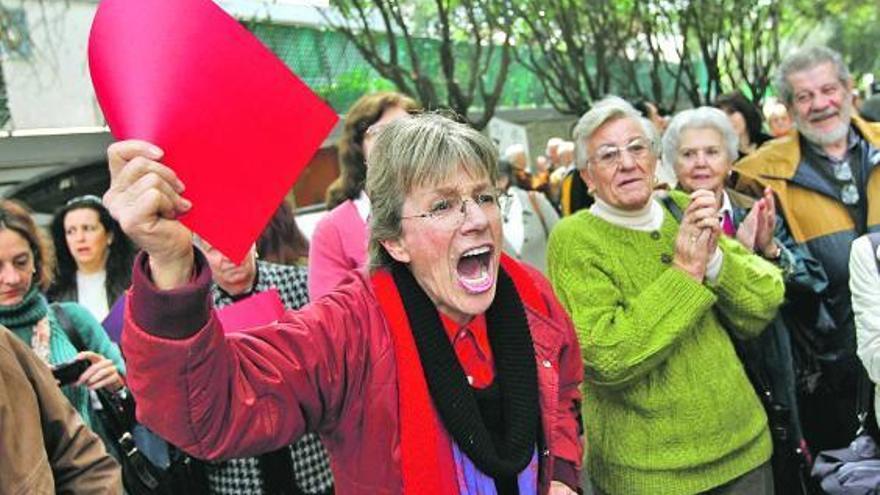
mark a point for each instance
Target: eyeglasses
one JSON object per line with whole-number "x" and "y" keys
{"x": 849, "y": 193}
{"x": 86, "y": 198}
{"x": 610, "y": 157}
{"x": 449, "y": 212}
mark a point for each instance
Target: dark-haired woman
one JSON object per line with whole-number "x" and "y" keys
{"x": 25, "y": 270}
{"x": 746, "y": 120}
{"x": 282, "y": 241}
{"x": 339, "y": 242}
{"x": 93, "y": 256}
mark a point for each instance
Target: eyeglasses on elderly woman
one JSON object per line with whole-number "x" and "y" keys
{"x": 449, "y": 211}
{"x": 610, "y": 156}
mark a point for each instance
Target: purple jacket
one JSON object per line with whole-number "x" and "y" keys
{"x": 327, "y": 368}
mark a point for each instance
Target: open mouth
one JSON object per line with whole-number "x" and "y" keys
{"x": 473, "y": 270}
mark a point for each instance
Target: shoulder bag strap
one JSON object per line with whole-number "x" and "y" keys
{"x": 67, "y": 325}
{"x": 672, "y": 206}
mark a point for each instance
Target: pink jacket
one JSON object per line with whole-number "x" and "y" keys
{"x": 338, "y": 245}
{"x": 328, "y": 368}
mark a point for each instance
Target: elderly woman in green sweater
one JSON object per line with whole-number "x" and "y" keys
{"x": 668, "y": 408}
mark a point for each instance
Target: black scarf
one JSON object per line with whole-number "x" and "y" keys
{"x": 516, "y": 376}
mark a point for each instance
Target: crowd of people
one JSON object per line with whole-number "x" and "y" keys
{"x": 679, "y": 304}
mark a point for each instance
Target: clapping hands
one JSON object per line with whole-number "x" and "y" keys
{"x": 756, "y": 230}
{"x": 698, "y": 234}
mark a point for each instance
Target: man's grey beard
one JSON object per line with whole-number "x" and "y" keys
{"x": 826, "y": 138}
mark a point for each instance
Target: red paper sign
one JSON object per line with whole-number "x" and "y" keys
{"x": 235, "y": 124}
{"x": 257, "y": 310}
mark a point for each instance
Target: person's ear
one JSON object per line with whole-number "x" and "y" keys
{"x": 585, "y": 175}
{"x": 397, "y": 249}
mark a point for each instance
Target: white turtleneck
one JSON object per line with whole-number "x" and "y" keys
{"x": 647, "y": 219}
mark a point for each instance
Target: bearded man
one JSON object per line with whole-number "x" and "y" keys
{"x": 828, "y": 188}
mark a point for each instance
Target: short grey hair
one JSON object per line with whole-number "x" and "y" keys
{"x": 804, "y": 59}
{"x": 604, "y": 111}
{"x": 423, "y": 150}
{"x": 699, "y": 118}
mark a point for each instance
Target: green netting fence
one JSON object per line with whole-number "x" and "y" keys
{"x": 332, "y": 66}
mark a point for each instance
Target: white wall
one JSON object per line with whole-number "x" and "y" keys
{"x": 51, "y": 86}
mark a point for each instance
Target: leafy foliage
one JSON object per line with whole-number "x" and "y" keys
{"x": 466, "y": 42}
{"x": 460, "y": 53}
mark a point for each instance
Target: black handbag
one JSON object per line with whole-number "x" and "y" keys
{"x": 139, "y": 475}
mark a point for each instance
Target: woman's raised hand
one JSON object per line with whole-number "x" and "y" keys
{"x": 145, "y": 198}
{"x": 697, "y": 235}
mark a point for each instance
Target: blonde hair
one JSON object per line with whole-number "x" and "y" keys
{"x": 424, "y": 150}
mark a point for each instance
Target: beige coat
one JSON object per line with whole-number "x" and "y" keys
{"x": 44, "y": 446}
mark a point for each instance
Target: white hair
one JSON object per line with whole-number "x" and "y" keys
{"x": 804, "y": 59}
{"x": 606, "y": 110}
{"x": 699, "y": 118}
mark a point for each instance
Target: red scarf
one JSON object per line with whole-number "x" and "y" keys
{"x": 421, "y": 432}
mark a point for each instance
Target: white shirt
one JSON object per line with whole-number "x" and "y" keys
{"x": 726, "y": 205}
{"x": 91, "y": 293}
{"x": 514, "y": 230}
{"x": 648, "y": 219}
{"x": 362, "y": 204}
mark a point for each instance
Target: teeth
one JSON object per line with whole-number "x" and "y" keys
{"x": 476, "y": 251}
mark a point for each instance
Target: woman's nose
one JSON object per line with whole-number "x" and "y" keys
{"x": 627, "y": 160}
{"x": 474, "y": 216}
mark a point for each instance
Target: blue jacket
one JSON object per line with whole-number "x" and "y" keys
{"x": 819, "y": 222}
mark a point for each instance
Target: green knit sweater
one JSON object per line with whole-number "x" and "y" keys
{"x": 667, "y": 406}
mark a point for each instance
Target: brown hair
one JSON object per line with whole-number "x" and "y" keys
{"x": 17, "y": 217}
{"x": 352, "y": 167}
{"x": 737, "y": 102}
{"x": 282, "y": 241}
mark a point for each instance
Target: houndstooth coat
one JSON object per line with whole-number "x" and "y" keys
{"x": 311, "y": 465}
